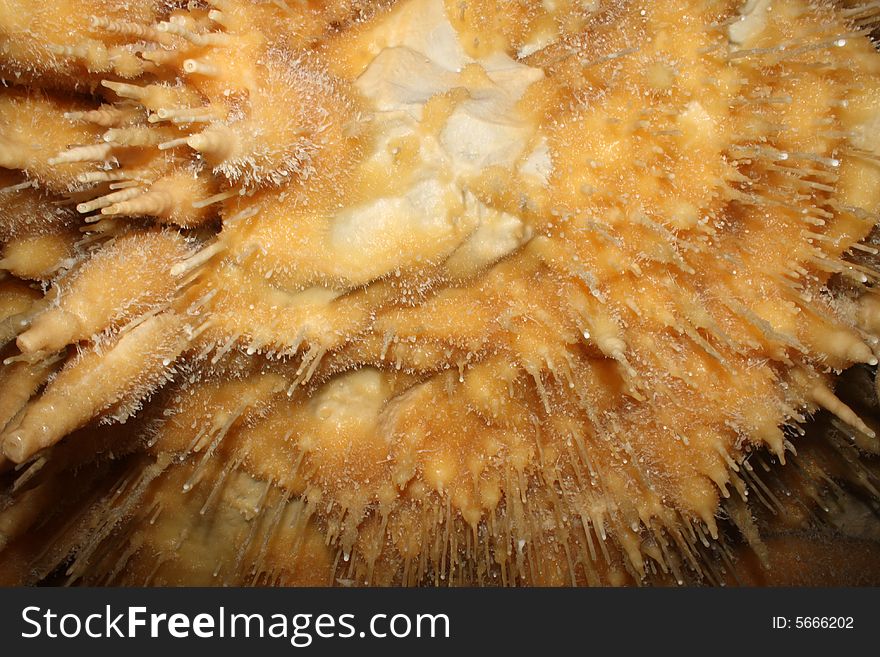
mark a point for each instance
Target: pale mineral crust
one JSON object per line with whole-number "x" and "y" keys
{"x": 437, "y": 292}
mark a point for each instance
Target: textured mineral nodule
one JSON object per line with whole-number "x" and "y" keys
{"x": 437, "y": 292}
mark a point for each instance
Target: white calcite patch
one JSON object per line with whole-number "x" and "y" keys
{"x": 434, "y": 217}
{"x": 402, "y": 79}
{"x": 421, "y": 225}
{"x": 351, "y": 399}
{"x": 538, "y": 165}
{"x": 422, "y": 26}
{"x": 486, "y": 130}
{"x": 497, "y": 234}
{"x": 752, "y": 21}
{"x": 537, "y": 42}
